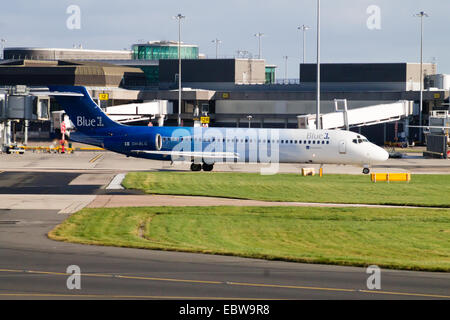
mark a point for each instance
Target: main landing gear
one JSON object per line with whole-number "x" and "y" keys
{"x": 204, "y": 166}
{"x": 366, "y": 170}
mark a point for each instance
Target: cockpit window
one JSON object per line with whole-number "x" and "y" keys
{"x": 359, "y": 140}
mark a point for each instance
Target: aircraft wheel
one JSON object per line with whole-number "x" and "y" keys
{"x": 196, "y": 167}
{"x": 207, "y": 167}
{"x": 366, "y": 170}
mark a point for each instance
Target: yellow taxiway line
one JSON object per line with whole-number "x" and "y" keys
{"x": 95, "y": 158}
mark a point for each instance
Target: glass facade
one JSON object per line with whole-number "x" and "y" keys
{"x": 270, "y": 74}
{"x": 151, "y": 73}
{"x": 157, "y": 52}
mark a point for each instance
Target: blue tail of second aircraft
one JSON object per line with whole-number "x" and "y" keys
{"x": 85, "y": 114}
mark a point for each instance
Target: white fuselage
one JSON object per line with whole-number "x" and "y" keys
{"x": 280, "y": 145}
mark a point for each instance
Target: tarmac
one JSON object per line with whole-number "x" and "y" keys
{"x": 38, "y": 191}
{"x": 103, "y": 161}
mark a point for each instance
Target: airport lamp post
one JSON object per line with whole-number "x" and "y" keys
{"x": 217, "y": 42}
{"x": 259, "y": 35}
{"x": 318, "y": 68}
{"x": 285, "y": 68}
{"x": 421, "y": 15}
{"x": 304, "y": 28}
{"x": 249, "y": 117}
{"x": 3, "y": 48}
{"x": 179, "y": 17}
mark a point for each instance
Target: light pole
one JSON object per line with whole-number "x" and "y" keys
{"x": 179, "y": 17}
{"x": 285, "y": 68}
{"x": 304, "y": 28}
{"x": 318, "y": 67}
{"x": 217, "y": 42}
{"x": 3, "y": 48}
{"x": 259, "y": 35}
{"x": 249, "y": 117}
{"x": 421, "y": 15}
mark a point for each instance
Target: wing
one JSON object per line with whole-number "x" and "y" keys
{"x": 190, "y": 154}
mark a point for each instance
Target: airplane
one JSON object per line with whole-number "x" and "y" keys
{"x": 206, "y": 146}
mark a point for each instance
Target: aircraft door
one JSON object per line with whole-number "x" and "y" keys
{"x": 342, "y": 148}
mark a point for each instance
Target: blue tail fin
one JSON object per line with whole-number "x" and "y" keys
{"x": 82, "y": 110}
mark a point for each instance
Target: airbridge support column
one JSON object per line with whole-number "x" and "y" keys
{"x": 2, "y": 128}
{"x": 26, "y": 124}
{"x": 7, "y": 131}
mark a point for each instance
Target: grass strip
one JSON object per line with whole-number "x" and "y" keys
{"x": 410, "y": 239}
{"x": 423, "y": 190}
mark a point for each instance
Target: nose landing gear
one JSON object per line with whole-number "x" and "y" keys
{"x": 366, "y": 170}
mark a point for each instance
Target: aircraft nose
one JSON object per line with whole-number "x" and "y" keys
{"x": 379, "y": 154}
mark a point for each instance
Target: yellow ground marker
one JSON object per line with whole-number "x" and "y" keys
{"x": 375, "y": 177}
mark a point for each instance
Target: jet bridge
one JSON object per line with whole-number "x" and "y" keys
{"x": 19, "y": 103}
{"x": 343, "y": 118}
{"x": 134, "y": 112}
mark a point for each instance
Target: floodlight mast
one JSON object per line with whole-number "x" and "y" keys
{"x": 304, "y": 28}
{"x": 259, "y": 35}
{"x": 421, "y": 15}
{"x": 318, "y": 68}
{"x": 179, "y": 17}
{"x": 217, "y": 42}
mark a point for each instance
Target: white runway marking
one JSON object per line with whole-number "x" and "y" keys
{"x": 116, "y": 183}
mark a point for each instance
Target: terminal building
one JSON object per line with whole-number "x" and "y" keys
{"x": 237, "y": 92}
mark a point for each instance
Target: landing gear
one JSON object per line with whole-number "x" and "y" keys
{"x": 366, "y": 170}
{"x": 204, "y": 166}
{"x": 207, "y": 167}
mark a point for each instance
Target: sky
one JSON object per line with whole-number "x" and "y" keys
{"x": 351, "y": 30}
